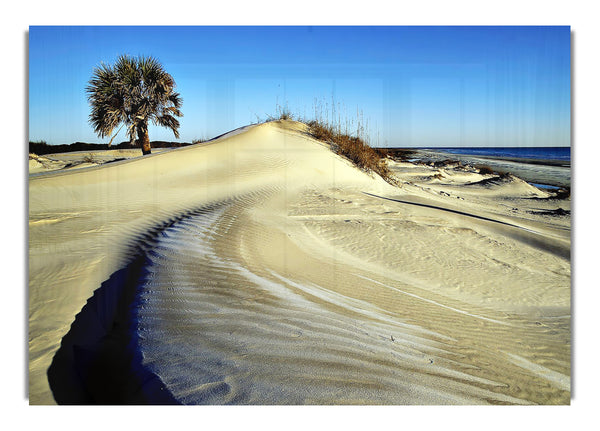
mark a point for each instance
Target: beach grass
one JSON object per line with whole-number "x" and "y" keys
{"x": 353, "y": 148}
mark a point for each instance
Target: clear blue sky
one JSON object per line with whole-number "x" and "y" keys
{"x": 411, "y": 86}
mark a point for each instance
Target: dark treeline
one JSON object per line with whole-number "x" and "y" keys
{"x": 42, "y": 147}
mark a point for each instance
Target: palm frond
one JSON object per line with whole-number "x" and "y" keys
{"x": 168, "y": 121}
{"x": 133, "y": 92}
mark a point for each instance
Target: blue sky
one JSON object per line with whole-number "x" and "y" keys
{"x": 408, "y": 86}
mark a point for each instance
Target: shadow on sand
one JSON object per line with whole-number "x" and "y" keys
{"x": 98, "y": 361}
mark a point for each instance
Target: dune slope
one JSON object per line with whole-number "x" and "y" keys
{"x": 271, "y": 271}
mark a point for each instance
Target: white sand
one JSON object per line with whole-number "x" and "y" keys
{"x": 312, "y": 282}
{"x": 81, "y": 159}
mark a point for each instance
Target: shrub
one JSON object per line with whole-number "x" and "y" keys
{"x": 89, "y": 159}
{"x": 563, "y": 193}
{"x": 485, "y": 170}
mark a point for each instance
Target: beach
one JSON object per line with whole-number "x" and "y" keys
{"x": 262, "y": 268}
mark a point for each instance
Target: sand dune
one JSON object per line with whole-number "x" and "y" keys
{"x": 265, "y": 269}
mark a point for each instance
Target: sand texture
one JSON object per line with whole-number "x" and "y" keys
{"x": 261, "y": 268}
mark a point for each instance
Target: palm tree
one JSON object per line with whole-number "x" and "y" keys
{"x": 132, "y": 92}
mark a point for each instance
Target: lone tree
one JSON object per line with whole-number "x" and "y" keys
{"x": 130, "y": 93}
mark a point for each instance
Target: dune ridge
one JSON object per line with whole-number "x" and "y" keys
{"x": 311, "y": 282}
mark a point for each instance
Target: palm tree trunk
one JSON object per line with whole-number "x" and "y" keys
{"x": 144, "y": 140}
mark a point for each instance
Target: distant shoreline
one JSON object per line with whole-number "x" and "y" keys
{"x": 544, "y": 172}
{"x": 448, "y": 151}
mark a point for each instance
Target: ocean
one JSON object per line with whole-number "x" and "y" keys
{"x": 537, "y": 153}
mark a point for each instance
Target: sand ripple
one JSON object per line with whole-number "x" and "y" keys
{"x": 218, "y": 327}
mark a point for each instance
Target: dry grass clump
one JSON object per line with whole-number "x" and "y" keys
{"x": 321, "y": 131}
{"x": 485, "y": 170}
{"x": 90, "y": 159}
{"x": 353, "y": 148}
{"x": 563, "y": 193}
{"x": 285, "y": 114}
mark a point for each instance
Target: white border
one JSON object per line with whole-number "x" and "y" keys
{"x": 586, "y": 97}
